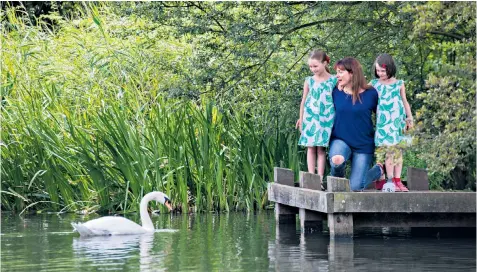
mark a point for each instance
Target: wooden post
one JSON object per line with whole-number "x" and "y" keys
{"x": 339, "y": 224}
{"x": 336, "y": 184}
{"x": 417, "y": 179}
{"x": 309, "y": 220}
{"x": 284, "y": 213}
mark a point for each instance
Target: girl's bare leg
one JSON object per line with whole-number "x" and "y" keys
{"x": 389, "y": 167}
{"x": 398, "y": 170}
{"x": 311, "y": 158}
{"x": 397, "y": 174}
{"x": 321, "y": 161}
{"x": 398, "y": 166}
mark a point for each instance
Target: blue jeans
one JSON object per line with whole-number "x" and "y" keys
{"x": 361, "y": 175}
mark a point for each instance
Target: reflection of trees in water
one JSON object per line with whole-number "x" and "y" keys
{"x": 396, "y": 251}
{"x": 248, "y": 242}
{"x": 220, "y": 242}
{"x": 204, "y": 242}
{"x": 292, "y": 251}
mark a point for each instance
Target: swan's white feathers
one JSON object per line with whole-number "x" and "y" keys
{"x": 108, "y": 225}
{"x": 112, "y": 225}
{"x": 84, "y": 231}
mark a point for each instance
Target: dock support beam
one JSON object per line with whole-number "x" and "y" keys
{"x": 310, "y": 221}
{"x": 339, "y": 224}
{"x": 284, "y": 214}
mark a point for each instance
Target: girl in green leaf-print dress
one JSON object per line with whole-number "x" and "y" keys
{"x": 393, "y": 120}
{"x": 317, "y": 111}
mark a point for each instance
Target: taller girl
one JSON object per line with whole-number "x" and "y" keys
{"x": 393, "y": 119}
{"x": 316, "y": 110}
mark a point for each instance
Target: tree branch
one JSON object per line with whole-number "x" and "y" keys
{"x": 213, "y": 18}
{"x": 447, "y": 34}
{"x": 174, "y": 6}
{"x": 331, "y": 20}
{"x": 350, "y": 3}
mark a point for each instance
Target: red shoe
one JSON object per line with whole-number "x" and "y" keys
{"x": 398, "y": 189}
{"x": 379, "y": 184}
{"x": 398, "y": 183}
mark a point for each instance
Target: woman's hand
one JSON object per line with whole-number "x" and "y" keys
{"x": 298, "y": 124}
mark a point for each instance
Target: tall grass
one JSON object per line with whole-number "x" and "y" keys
{"x": 87, "y": 123}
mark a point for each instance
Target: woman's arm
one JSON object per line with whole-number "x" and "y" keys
{"x": 407, "y": 108}
{"x": 302, "y": 105}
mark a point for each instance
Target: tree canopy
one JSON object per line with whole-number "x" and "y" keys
{"x": 201, "y": 98}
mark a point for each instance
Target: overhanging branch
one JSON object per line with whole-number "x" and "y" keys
{"x": 447, "y": 34}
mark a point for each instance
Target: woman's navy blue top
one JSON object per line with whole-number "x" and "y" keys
{"x": 353, "y": 123}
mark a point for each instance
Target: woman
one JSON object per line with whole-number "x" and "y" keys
{"x": 352, "y": 137}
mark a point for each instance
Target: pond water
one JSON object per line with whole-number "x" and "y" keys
{"x": 226, "y": 242}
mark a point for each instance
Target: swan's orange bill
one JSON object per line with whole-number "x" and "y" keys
{"x": 168, "y": 205}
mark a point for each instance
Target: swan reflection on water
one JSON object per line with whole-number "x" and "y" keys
{"x": 117, "y": 249}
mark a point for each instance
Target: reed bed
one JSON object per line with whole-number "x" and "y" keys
{"x": 89, "y": 123}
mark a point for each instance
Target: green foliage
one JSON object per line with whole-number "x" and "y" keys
{"x": 446, "y": 120}
{"x": 200, "y": 99}
{"x": 447, "y": 128}
{"x": 91, "y": 121}
{"x": 264, "y": 46}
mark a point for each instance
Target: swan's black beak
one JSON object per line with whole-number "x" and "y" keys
{"x": 167, "y": 203}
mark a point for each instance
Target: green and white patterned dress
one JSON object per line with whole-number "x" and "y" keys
{"x": 390, "y": 115}
{"x": 318, "y": 113}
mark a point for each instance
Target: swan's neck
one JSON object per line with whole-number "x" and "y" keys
{"x": 145, "y": 219}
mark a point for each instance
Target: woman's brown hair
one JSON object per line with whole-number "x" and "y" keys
{"x": 321, "y": 56}
{"x": 358, "y": 81}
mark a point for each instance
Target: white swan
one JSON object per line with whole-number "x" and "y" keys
{"x": 115, "y": 225}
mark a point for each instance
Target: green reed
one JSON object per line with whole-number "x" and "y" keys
{"x": 87, "y": 124}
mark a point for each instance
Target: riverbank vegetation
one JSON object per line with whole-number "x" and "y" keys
{"x": 102, "y": 102}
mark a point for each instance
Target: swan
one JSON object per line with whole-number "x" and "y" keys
{"x": 115, "y": 225}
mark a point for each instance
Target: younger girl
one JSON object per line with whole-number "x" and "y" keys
{"x": 393, "y": 119}
{"x": 316, "y": 111}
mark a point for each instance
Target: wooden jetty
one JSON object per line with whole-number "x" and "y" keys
{"x": 344, "y": 210}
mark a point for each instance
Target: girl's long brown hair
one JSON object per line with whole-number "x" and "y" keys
{"x": 358, "y": 81}
{"x": 320, "y": 56}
